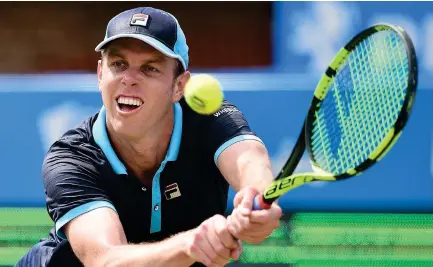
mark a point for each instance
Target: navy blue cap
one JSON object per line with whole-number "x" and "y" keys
{"x": 155, "y": 27}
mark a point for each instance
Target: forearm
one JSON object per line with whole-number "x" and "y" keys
{"x": 246, "y": 164}
{"x": 169, "y": 252}
{"x": 255, "y": 170}
{"x": 257, "y": 174}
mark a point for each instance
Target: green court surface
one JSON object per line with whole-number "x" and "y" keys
{"x": 348, "y": 239}
{"x": 20, "y": 228}
{"x": 306, "y": 240}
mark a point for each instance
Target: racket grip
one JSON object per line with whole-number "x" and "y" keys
{"x": 259, "y": 204}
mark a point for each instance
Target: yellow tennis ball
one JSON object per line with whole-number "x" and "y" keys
{"x": 203, "y": 94}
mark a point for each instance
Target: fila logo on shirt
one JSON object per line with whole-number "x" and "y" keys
{"x": 139, "y": 20}
{"x": 172, "y": 191}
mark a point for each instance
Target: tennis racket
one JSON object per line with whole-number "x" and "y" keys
{"x": 359, "y": 109}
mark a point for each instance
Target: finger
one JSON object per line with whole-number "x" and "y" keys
{"x": 240, "y": 224}
{"x": 245, "y": 223}
{"x": 256, "y": 233}
{"x": 233, "y": 226}
{"x": 257, "y": 230}
{"x": 266, "y": 216}
{"x": 243, "y": 220}
{"x": 221, "y": 261}
{"x": 222, "y": 252}
{"x": 246, "y": 204}
{"x": 252, "y": 239}
{"x": 223, "y": 232}
{"x": 238, "y": 198}
{"x": 236, "y": 253}
{"x": 197, "y": 253}
{"x": 260, "y": 232}
{"x": 203, "y": 242}
{"x": 260, "y": 216}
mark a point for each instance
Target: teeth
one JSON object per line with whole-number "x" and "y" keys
{"x": 129, "y": 101}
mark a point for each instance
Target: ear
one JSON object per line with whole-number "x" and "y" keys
{"x": 179, "y": 85}
{"x": 99, "y": 73}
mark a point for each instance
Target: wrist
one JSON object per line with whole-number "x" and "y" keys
{"x": 179, "y": 243}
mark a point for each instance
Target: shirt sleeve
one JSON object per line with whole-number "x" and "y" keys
{"x": 72, "y": 183}
{"x": 226, "y": 127}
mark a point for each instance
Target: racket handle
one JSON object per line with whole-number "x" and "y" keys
{"x": 259, "y": 203}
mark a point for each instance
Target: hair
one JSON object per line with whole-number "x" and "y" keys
{"x": 178, "y": 70}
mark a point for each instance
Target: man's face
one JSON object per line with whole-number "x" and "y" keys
{"x": 138, "y": 86}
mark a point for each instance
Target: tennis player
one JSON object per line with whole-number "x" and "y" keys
{"x": 144, "y": 182}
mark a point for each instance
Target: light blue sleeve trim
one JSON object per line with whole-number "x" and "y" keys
{"x": 75, "y": 212}
{"x": 232, "y": 141}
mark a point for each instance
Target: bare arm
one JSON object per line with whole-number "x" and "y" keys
{"x": 98, "y": 239}
{"x": 246, "y": 163}
{"x": 247, "y": 167}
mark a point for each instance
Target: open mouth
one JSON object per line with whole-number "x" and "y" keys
{"x": 128, "y": 104}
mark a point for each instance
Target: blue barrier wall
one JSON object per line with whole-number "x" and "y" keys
{"x": 306, "y": 35}
{"x": 38, "y": 109}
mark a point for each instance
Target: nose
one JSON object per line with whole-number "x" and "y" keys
{"x": 130, "y": 78}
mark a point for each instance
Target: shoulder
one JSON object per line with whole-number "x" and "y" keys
{"x": 227, "y": 110}
{"x": 228, "y": 121}
{"x": 226, "y": 126}
{"x": 76, "y": 147}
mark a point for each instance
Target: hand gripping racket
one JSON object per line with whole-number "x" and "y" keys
{"x": 359, "y": 109}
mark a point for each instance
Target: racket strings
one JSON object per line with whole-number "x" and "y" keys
{"x": 362, "y": 104}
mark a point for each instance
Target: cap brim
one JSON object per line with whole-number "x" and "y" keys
{"x": 148, "y": 40}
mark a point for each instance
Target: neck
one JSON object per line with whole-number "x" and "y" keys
{"x": 143, "y": 156}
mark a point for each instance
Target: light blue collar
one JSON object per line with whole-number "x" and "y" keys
{"x": 100, "y": 135}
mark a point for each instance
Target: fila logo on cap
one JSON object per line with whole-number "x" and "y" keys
{"x": 172, "y": 191}
{"x": 139, "y": 19}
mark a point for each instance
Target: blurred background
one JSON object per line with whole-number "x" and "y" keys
{"x": 269, "y": 57}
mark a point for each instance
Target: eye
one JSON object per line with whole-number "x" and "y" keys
{"x": 150, "y": 69}
{"x": 118, "y": 64}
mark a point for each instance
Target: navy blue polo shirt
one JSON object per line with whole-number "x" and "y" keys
{"x": 81, "y": 172}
